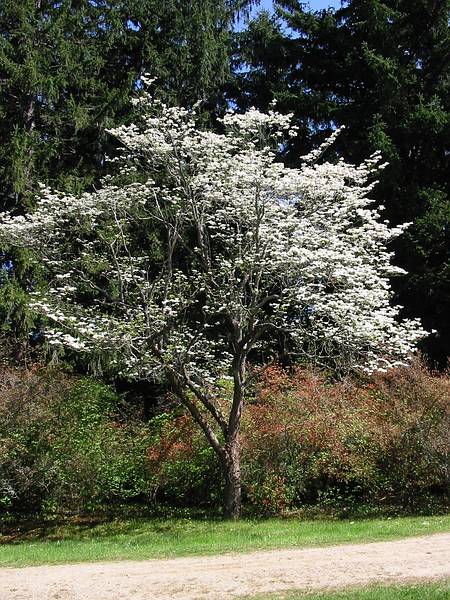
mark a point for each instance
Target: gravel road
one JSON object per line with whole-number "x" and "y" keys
{"x": 235, "y": 575}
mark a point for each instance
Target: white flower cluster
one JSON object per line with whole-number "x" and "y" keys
{"x": 250, "y": 248}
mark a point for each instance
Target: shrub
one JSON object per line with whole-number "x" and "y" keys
{"x": 185, "y": 468}
{"x": 69, "y": 444}
{"x": 66, "y": 446}
{"x": 309, "y": 441}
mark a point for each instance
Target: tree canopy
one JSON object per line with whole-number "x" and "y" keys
{"x": 381, "y": 68}
{"x": 67, "y": 72}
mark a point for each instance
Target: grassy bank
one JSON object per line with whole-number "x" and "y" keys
{"x": 144, "y": 539}
{"x": 429, "y": 591}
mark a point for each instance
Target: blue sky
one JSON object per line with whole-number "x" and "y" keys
{"x": 315, "y": 4}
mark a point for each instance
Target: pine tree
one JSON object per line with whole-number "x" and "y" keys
{"x": 67, "y": 71}
{"x": 381, "y": 68}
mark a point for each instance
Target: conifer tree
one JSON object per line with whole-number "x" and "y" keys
{"x": 67, "y": 71}
{"x": 380, "y": 67}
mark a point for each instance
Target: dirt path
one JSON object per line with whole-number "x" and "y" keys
{"x": 228, "y": 576}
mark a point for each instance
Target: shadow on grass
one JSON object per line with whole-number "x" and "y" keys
{"x": 126, "y": 520}
{"x": 102, "y": 525}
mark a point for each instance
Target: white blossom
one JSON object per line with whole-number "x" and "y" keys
{"x": 301, "y": 252}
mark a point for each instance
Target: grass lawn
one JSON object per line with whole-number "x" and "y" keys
{"x": 140, "y": 539}
{"x": 430, "y": 591}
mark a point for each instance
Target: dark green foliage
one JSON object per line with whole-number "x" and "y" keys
{"x": 381, "y": 68}
{"x": 70, "y": 445}
{"x": 67, "y": 446}
{"x": 426, "y": 257}
{"x": 67, "y": 72}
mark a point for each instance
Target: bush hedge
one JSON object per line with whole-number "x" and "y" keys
{"x": 71, "y": 444}
{"x": 66, "y": 445}
{"x": 308, "y": 441}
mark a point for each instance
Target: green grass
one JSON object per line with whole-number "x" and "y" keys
{"x": 141, "y": 539}
{"x": 429, "y": 591}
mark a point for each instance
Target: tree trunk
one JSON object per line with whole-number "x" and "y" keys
{"x": 232, "y": 474}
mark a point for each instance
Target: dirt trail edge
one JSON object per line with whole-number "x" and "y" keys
{"x": 236, "y": 575}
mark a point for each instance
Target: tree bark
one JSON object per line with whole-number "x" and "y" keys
{"x": 232, "y": 470}
{"x": 232, "y": 474}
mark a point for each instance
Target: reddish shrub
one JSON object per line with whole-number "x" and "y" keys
{"x": 184, "y": 468}
{"x": 306, "y": 440}
{"x": 382, "y": 440}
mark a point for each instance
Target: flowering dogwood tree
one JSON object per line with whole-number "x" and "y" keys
{"x": 248, "y": 251}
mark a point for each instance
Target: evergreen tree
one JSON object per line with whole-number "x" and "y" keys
{"x": 67, "y": 71}
{"x": 381, "y": 68}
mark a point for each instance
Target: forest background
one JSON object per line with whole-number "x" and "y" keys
{"x": 68, "y": 71}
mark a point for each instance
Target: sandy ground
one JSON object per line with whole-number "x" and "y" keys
{"x": 237, "y": 575}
